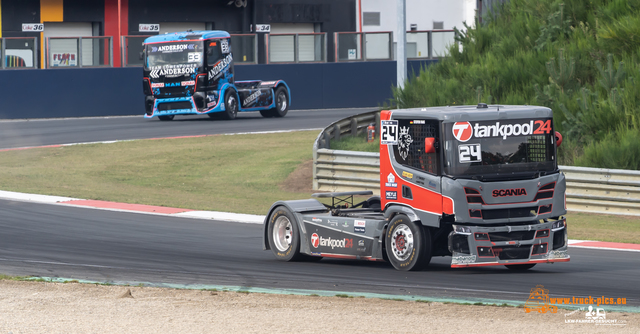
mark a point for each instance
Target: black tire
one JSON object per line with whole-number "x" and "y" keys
{"x": 372, "y": 203}
{"x": 520, "y": 267}
{"x": 282, "y": 223}
{"x": 230, "y": 105}
{"x": 166, "y": 118}
{"x": 266, "y": 113}
{"x": 281, "y": 96}
{"x": 408, "y": 245}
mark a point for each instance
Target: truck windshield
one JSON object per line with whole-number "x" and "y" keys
{"x": 497, "y": 149}
{"x": 188, "y": 53}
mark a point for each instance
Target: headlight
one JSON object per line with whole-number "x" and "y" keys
{"x": 461, "y": 229}
{"x": 560, "y": 224}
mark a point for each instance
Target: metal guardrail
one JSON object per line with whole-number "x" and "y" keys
{"x": 596, "y": 190}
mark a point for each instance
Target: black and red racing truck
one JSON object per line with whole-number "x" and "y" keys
{"x": 192, "y": 73}
{"x": 478, "y": 183}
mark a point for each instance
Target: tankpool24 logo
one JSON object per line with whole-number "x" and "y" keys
{"x": 463, "y": 131}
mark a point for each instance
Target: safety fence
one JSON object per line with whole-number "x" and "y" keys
{"x": 597, "y": 190}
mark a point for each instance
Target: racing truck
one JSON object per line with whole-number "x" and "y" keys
{"x": 478, "y": 183}
{"x": 191, "y": 73}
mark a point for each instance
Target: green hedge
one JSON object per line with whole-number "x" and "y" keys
{"x": 578, "y": 57}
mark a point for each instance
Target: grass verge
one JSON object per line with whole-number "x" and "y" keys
{"x": 240, "y": 173}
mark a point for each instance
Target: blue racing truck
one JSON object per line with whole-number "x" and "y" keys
{"x": 191, "y": 73}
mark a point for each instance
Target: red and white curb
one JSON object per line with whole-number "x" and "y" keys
{"x": 226, "y": 216}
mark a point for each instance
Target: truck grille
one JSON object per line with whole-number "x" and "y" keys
{"x": 512, "y": 253}
{"x": 508, "y": 236}
{"x": 510, "y": 213}
{"x": 174, "y": 105}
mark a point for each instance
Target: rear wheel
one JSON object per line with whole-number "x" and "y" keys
{"x": 520, "y": 267}
{"x": 282, "y": 102}
{"x": 408, "y": 245}
{"x": 166, "y": 118}
{"x": 283, "y": 235}
{"x": 230, "y": 105}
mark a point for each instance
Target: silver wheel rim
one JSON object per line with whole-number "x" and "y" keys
{"x": 282, "y": 101}
{"x": 402, "y": 242}
{"x": 231, "y": 101}
{"x": 282, "y": 233}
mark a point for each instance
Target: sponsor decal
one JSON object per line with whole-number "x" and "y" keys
{"x": 388, "y": 132}
{"x": 463, "y": 259}
{"x": 557, "y": 254}
{"x": 391, "y": 194}
{"x": 391, "y": 181}
{"x": 534, "y": 127}
{"x": 329, "y": 242}
{"x": 361, "y": 243}
{"x": 359, "y": 226}
{"x": 462, "y": 131}
{"x": 211, "y": 104}
{"x": 404, "y": 142}
{"x": 268, "y": 83}
{"x": 252, "y": 98}
{"x": 188, "y": 83}
{"x": 173, "y": 70}
{"x": 33, "y": 27}
{"x": 469, "y": 153}
{"x": 333, "y": 223}
{"x": 407, "y": 175}
{"x": 432, "y": 184}
{"x": 217, "y": 69}
{"x": 345, "y": 224}
{"x": 317, "y": 220}
{"x": 157, "y": 84}
{"x": 509, "y": 192}
{"x": 173, "y": 48}
{"x": 417, "y": 121}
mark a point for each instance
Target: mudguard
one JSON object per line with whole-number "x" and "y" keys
{"x": 297, "y": 207}
{"x": 425, "y": 218}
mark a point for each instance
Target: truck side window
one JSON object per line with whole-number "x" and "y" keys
{"x": 410, "y": 150}
{"x": 213, "y": 52}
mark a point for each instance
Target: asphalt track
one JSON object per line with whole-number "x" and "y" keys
{"x": 108, "y": 246}
{"x": 27, "y": 133}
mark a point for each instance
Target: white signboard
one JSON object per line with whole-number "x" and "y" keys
{"x": 33, "y": 27}
{"x": 155, "y": 27}
{"x": 389, "y": 132}
{"x": 352, "y": 54}
{"x": 64, "y": 59}
{"x": 263, "y": 28}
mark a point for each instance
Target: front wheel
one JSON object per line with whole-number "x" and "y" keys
{"x": 408, "y": 245}
{"x": 282, "y": 102}
{"x": 283, "y": 235}
{"x": 166, "y": 118}
{"x": 230, "y": 105}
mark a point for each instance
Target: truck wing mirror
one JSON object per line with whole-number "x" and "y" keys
{"x": 558, "y": 139}
{"x": 141, "y": 55}
{"x": 429, "y": 145}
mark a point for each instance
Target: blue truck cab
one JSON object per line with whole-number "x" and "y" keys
{"x": 191, "y": 73}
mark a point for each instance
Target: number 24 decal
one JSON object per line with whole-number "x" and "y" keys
{"x": 543, "y": 127}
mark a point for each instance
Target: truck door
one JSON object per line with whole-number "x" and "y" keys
{"x": 219, "y": 63}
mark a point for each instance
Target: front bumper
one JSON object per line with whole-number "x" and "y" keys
{"x": 473, "y": 246}
{"x": 181, "y": 106}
